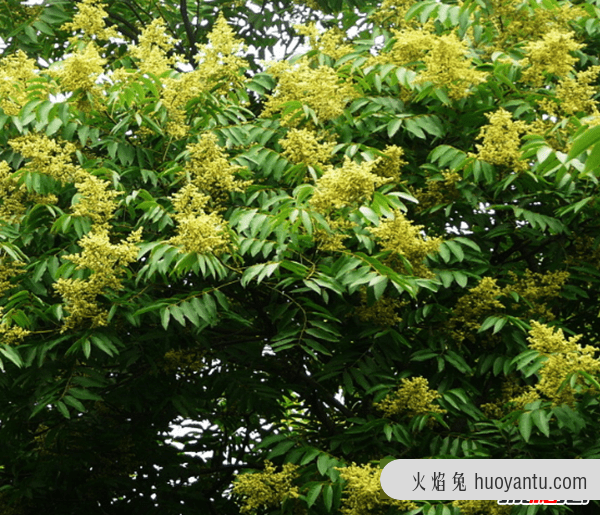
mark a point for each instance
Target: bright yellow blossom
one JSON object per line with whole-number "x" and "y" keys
{"x": 413, "y": 397}
{"x": 345, "y": 186}
{"x": 107, "y": 263}
{"x": 564, "y": 357}
{"x": 8, "y": 270}
{"x": 574, "y": 95}
{"x": 471, "y": 309}
{"x": 15, "y": 72}
{"x": 209, "y": 168}
{"x": 10, "y": 333}
{"x": 448, "y": 65}
{"x": 80, "y": 70}
{"x": 390, "y": 164}
{"x": 319, "y": 88}
{"x": 501, "y": 140}
{"x": 550, "y": 55}
{"x": 330, "y": 43}
{"x": 96, "y": 201}
{"x": 198, "y": 231}
{"x": 152, "y": 47}
{"x": 90, "y": 20}
{"x": 12, "y": 195}
{"x": 302, "y": 146}
{"x": 266, "y": 489}
{"x": 392, "y": 13}
{"x": 536, "y": 287}
{"x": 410, "y": 46}
{"x": 406, "y": 240}
{"x": 363, "y": 494}
{"x": 49, "y": 156}
{"x": 218, "y": 64}
{"x": 220, "y": 60}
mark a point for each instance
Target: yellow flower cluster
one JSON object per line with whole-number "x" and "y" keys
{"x": 528, "y": 21}
{"x": 219, "y": 61}
{"x": 363, "y": 494}
{"x": 8, "y": 271}
{"x": 198, "y": 231}
{"x": 383, "y": 312}
{"x": 209, "y": 169}
{"x": 15, "y": 72}
{"x": 107, "y": 262}
{"x": 12, "y": 195}
{"x": 413, "y": 397}
{"x": 267, "y": 488}
{"x": 90, "y": 20}
{"x": 12, "y": 335}
{"x": 410, "y": 46}
{"x": 479, "y": 507}
{"x": 333, "y": 240}
{"x": 302, "y": 146}
{"x": 152, "y": 47}
{"x": 438, "y": 192}
{"x": 80, "y": 70}
{"x": 330, "y": 43}
{"x": 320, "y": 88}
{"x": 390, "y": 164}
{"x": 49, "y": 157}
{"x": 535, "y": 286}
{"x": 564, "y": 358}
{"x": 95, "y": 201}
{"x": 391, "y": 13}
{"x": 550, "y": 55}
{"x": 514, "y": 396}
{"x": 346, "y": 186}
{"x": 448, "y": 65}
{"x": 502, "y": 140}
{"x": 218, "y": 64}
{"x": 575, "y": 95}
{"x": 479, "y": 302}
{"x": 405, "y": 239}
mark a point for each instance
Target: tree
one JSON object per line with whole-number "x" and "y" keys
{"x": 384, "y": 247}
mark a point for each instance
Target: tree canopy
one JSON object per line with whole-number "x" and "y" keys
{"x": 384, "y": 244}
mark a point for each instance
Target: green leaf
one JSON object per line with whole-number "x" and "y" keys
{"x": 328, "y": 497}
{"x": 104, "y": 344}
{"x": 310, "y": 455}
{"x": 165, "y": 315}
{"x": 313, "y": 494}
{"x": 444, "y": 252}
{"x": 72, "y": 401}
{"x": 456, "y": 249}
{"x": 53, "y": 126}
{"x": 11, "y": 354}
{"x": 323, "y": 464}
{"x": 190, "y": 313}
{"x": 281, "y": 448}
{"x": 586, "y": 140}
{"x": 540, "y": 419}
{"x": 63, "y": 409}
{"x": 84, "y": 394}
{"x": 525, "y": 425}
